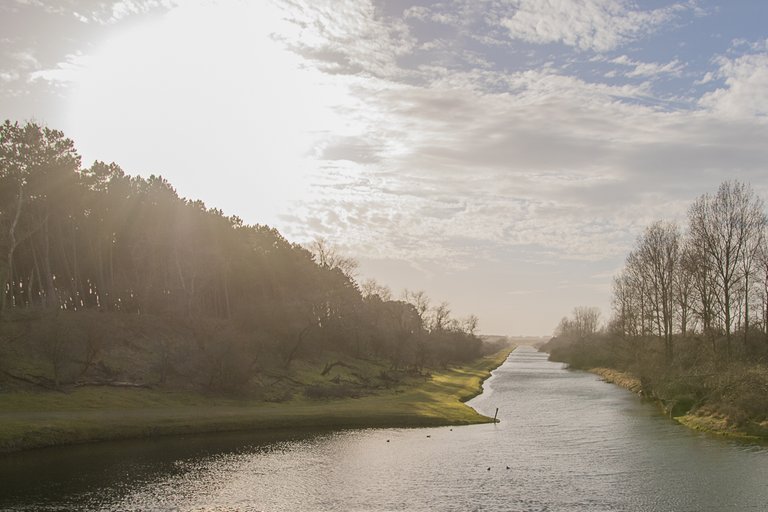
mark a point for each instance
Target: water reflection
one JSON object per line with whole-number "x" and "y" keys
{"x": 566, "y": 442}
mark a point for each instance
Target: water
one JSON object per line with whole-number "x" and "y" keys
{"x": 571, "y": 443}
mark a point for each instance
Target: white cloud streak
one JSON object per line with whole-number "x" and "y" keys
{"x": 649, "y": 69}
{"x": 597, "y": 25}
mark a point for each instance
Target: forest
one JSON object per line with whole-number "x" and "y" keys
{"x": 109, "y": 277}
{"x": 690, "y": 312}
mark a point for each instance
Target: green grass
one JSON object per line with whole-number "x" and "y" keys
{"x": 30, "y": 420}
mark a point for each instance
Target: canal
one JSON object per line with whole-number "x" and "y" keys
{"x": 566, "y": 442}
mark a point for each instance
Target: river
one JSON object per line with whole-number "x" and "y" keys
{"x": 566, "y": 442}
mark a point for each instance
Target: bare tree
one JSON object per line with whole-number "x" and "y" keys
{"x": 762, "y": 263}
{"x": 636, "y": 286}
{"x": 470, "y": 324}
{"x": 756, "y": 223}
{"x": 440, "y": 317}
{"x": 419, "y": 300}
{"x": 723, "y": 227}
{"x": 329, "y": 257}
{"x": 658, "y": 254}
{"x": 584, "y": 322}
{"x": 371, "y": 287}
{"x": 683, "y": 282}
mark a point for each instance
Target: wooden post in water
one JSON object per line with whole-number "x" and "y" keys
{"x": 495, "y": 414}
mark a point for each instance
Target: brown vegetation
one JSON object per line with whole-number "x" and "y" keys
{"x": 690, "y": 317}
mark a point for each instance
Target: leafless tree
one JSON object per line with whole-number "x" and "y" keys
{"x": 328, "y": 256}
{"x": 724, "y": 227}
{"x": 419, "y": 300}
{"x": 371, "y": 287}
{"x": 683, "y": 282}
{"x": 440, "y": 317}
{"x": 658, "y": 254}
{"x": 470, "y": 324}
{"x": 584, "y": 321}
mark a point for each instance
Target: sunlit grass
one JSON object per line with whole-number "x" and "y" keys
{"x": 42, "y": 419}
{"x": 719, "y": 425}
{"x": 702, "y": 420}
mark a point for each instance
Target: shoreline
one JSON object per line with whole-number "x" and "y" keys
{"x": 709, "y": 424}
{"x": 437, "y": 402}
{"x": 622, "y": 379}
{"x": 487, "y": 375}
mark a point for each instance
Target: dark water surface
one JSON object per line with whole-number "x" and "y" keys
{"x": 571, "y": 443}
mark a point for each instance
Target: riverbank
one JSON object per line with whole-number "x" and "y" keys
{"x": 621, "y": 379}
{"x": 699, "y": 419}
{"x": 39, "y": 419}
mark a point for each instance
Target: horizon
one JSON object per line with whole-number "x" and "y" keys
{"x": 502, "y": 158}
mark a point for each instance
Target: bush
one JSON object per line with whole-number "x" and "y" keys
{"x": 329, "y": 392}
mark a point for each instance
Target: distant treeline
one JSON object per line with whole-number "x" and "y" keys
{"x": 82, "y": 240}
{"x": 690, "y": 310}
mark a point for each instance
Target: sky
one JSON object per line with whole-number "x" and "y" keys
{"x": 501, "y": 155}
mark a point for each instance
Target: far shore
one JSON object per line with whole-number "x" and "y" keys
{"x": 708, "y": 423}
{"x": 36, "y": 420}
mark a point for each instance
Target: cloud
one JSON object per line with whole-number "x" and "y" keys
{"x": 100, "y": 11}
{"x": 64, "y": 73}
{"x": 347, "y": 36}
{"x": 8, "y": 76}
{"x": 745, "y": 92}
{"x": 435, "y": 136}
{"x": 597, "y": 25}
{"x": 539, "y": 164}
{"x": 18, "y": 66}
{"x": 649, "y": 69}
{"x": 120, "y": 9}
{"x": 434, "y": 160}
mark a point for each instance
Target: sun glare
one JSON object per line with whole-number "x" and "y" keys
{"x": 210, "y": 92}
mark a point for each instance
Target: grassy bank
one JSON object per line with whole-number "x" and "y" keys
{"x": 621, "y": 379}
{"x": 38, "y": 419}
{"x": 723, "y": 426}
{"x": 702, "y": 419}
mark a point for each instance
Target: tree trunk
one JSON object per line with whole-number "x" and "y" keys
{"x": 11, "y": 248}
{"x": 746, "y": 307}
{"x": 50, "y": 282}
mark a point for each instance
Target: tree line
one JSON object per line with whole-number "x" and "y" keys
{"x": 709, "y": 281}
{"x": 79, "y": 239}
{"x": 689, "y": 312}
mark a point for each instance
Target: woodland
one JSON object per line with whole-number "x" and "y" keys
{"x": 115, "y": 279}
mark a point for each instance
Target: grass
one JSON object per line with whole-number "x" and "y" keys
{"x": 32, "y": 420}
{"x": 699, "y": 420}
{"x": 719, "y": 425}
{"x": 621, "y": 379}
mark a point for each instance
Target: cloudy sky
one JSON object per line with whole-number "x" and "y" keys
{"x": 502, "y": 155}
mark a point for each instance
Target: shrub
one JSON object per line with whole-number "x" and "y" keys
{"x": 329, "y": 392}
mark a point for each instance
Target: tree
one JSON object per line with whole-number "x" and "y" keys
{"x": 329, "y": 257}
{"x": 371, "y": 287}
{"x": 658, "y": 259}
{"x": 419, "y": 300}
{"x": 724, "y": 228}
{"x": 37, "y": 166}
{"x": 683, "y": 282}
{"x": 470, "y": 324}
{"x": 440, "y": 317}
{"x": 584, "y": 322}
{"x": 99, "y": 240}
